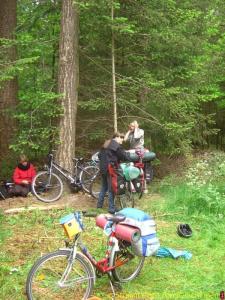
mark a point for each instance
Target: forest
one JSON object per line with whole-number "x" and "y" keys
{"x": 73, "y": 72}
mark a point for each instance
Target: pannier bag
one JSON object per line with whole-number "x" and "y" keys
{"x": 130, "y": 171}
{"x": 118, "y": 184}
{"x": 148, "y": 172}
{"x": 148, "y": 244}
{"x": 138, "y": 184}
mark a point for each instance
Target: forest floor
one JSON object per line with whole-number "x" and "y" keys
{"x": 17, "y": 204}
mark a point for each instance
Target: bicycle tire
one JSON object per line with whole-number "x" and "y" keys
{"x": 125, "y": 200}
{"x": 95, "y": 186}
{"x": 43, "y": 281}
{"x": 46, "y": 187}
{"x": 125, "y": 270}
{"x": 86, "y": 177}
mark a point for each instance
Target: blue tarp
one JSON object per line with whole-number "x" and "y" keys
{"x": 169, "y": 252}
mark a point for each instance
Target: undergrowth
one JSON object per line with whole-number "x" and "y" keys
{"x": 196, "y": 200}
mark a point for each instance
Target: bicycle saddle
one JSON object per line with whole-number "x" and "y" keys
{"x": 116, "y": 219}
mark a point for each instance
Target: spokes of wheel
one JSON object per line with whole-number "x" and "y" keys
{"x": 53, "y": 278}
{"x": 47, "y": 187}
{"x": 128, "y": 264}
{"x": 87, "y": 175}
{"x": 96, "y": 186}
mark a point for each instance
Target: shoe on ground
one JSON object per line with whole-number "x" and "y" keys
{"x": 99, "y": 207}
{"x": 145, "y": 191}
{"x": 113, "y": 211}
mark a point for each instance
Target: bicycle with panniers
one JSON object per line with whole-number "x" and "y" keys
{"x": 128, "y": 180}
{"x": 127, "y": 183}
{"x": 70, "y": 273}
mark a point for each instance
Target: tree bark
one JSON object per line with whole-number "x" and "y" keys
{"x": 68, "y": 83}
{"x": 8, "y": 89}
{"x": 114, "y": 75}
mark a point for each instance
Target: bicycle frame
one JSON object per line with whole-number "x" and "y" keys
{"x": 101, "y": 265}
{"x": 53, "y": 165}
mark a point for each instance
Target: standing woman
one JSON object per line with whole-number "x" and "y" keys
{"x": 111, "y": 152}
{"x": 23, "y": 176}
{"x": 135, "y": 136}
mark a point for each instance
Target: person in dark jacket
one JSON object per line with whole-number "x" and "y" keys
{"x": 111, "y": 153}
{"x": 23, "y": 176}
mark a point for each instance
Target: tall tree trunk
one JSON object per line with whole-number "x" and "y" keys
{"x": 8, "y": 89}
{"x": 114, "y": 75}
{"x": 68, "y": 82}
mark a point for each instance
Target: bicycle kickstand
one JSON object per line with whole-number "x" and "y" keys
{"x": 113, "y": 286}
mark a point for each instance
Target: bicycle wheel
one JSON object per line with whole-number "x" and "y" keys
{"x": 86, "y": 177}
{"x": 95, "y": 186}
{"x": 53, "y": 276}
{"x": 126, "y": 200}
{"x": 47, "y": 187}
{"x": 128, "y": 265}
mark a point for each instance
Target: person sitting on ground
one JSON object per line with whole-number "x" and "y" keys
{"x": 23, "y": 176}
{"x": 111, "y": 152}
{"x": 135, "y": 136}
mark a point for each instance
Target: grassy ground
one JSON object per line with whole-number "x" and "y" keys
{"x": 26, "y": 236}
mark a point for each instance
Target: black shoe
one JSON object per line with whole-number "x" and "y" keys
{"x": 113, "y": 211}
{"x": 99, "y": 207}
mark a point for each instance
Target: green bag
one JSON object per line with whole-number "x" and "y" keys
{"x": 130, "y": 172}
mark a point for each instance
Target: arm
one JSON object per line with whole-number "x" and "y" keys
{"x": 16, "y": 177}
{"x": 33, "y": 172}
{"x": 122, "y": 154}
{"x": 127, "y": 135}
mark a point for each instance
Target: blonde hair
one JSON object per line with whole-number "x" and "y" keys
{"x": 23, "y": 158}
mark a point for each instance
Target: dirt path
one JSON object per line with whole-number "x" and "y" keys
{"x": 78, "y": 200}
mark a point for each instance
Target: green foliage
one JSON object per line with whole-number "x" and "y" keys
{"x": 203, "y": 191}
{"x": 169, "y": 72}
{"x": 36, "y": 68}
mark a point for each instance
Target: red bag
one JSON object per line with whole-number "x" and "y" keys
{"x": 118, "y": 183}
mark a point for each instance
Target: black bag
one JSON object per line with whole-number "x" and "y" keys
{"x": 138, "y": 184}
{"x": 148, "y": 172}
{"x": 118, "y": 183}
{"x": 3, "y": 192}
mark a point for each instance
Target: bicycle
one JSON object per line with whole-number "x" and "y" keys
{"x": 71, "y": 274}
{"x": 133, "y": 189}
{"x": 47, "y": 186}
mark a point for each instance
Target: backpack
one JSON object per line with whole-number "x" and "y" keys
{"x": 118, "y": 183}
{"x": 3, "y": 192}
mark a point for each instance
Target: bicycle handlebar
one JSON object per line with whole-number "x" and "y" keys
{"x": 89, "y": 214}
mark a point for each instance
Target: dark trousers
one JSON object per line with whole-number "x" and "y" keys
{"x": 20, "y": 190}
{"x": 106, "y": 187}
